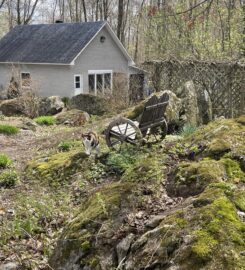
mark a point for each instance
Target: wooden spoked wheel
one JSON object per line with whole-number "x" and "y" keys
{"x": 122, "y": 130}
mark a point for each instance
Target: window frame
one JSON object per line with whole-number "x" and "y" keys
{"x": 101, "y": 72}
{"x": 80, "y": 76}
{"x": 22, "y": 85}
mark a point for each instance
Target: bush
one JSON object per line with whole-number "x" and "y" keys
{"x": 45, "y": 120}
{"x": 8, "y": 179}
{"x": 8, "y": 130}
{"x": 4, "y": 161}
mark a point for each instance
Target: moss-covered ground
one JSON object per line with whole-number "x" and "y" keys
{"x": 194, "y": 185}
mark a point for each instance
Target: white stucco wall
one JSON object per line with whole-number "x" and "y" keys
{"x": 59, "y": 79}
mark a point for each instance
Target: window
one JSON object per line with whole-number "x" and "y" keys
{"x": 99, "y": 81}
{"x": 77, "y": 81}
{"x": 91, "y": 83}
{"x": 25, "y": 79}
{"x": 107, "y": 83}
{"x": 99, "y": 78}
{"x": 102, "y": 39}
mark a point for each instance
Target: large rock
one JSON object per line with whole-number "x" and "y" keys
{"x": 72, "y": 117}
{"x": 51, "y": 105}
{"x": 126, "y": 223}
{"x": 172, "y": 112}
{"x": 189, "y": 104}
{"x": 90, "y": 104}
{"x": 12, "y": 107}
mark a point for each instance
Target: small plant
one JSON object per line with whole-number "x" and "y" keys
{"x": 66, "y": 146}
{"x": 8, "y": 130}
{"x": 45, "y": 120}
{"x": 8, "y": 179}
{"x": 4, "y": 161}
{"x": 188, "y": 130}
{"x": 66, "y": 101}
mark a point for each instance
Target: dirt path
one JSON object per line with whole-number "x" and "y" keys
{"x": 27, "y": 144}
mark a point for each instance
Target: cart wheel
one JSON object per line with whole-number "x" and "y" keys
{"x": 157, "y": 134}
{"x": 122, "y": 130}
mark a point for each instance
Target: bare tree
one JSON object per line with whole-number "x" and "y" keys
{"x": 2, "y": 3}
{"x": 120, "y": 18}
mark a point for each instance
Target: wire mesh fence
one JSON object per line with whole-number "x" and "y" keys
{"x": 222, "y": 84}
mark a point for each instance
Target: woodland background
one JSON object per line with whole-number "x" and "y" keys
{"x": 149, "y": 29}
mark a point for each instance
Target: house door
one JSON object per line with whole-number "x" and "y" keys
{"x": 78, "y": 84}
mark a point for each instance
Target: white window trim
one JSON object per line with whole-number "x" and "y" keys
{"x": 24, "y": 72}
{"x": 80, "y": 81}
{"x": 77, "y": 75}
{"x": 101, "y": 72}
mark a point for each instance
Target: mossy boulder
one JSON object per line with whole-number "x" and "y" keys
{"x": 57, "y": 168}
{"x": 72, "y": 117}
{"x": 191, "y": 178}
{"x": 90, "y": 104}
{"x": 202, "y": 230}
{"x": 218, "y": 147}
{"x": 90, "y": 237}
{"x": 207, "y": 237}
{"x": 241, "y": 119}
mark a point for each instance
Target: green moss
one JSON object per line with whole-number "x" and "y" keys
{"x": 204, "y": 245}
{"x": 239, "y": 199}
{"x": 241, "y": 119}
{"x": 191, "y": 178}
{"x": 103, "y": 205}
{"x": 136, "y": 111}
{"x": 86, "y": 246}
{"x": 218, "y": 147}
{"x": 233, "y": 170}
{"x": 93, "y": 262}
{"x": 57, "y": 168}
{"x": 146, "y": 168}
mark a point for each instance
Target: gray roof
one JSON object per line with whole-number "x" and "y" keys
{"x": 57, "y": 43}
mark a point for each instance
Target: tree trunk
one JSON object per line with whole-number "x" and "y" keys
{"x": 84, "y": 11}
{"x": 120, "y": 19}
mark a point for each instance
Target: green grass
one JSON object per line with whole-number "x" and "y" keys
{"x": 4, "y": 161}
{"x": 8, "y": 130}
{"x": 45, "y": 120}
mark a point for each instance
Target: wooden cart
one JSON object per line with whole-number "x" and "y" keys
{"x": 151, "y": 127}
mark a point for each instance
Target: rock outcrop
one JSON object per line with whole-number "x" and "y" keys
{"x": 11, "y": 107}
{"x": 72, "y": 117}
{"x": 178, "y": 206}
{"x": 50, "y": 105}
{"x": 90, "y": 104}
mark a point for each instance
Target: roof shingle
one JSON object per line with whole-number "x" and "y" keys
{"x": 56, "y": 43}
